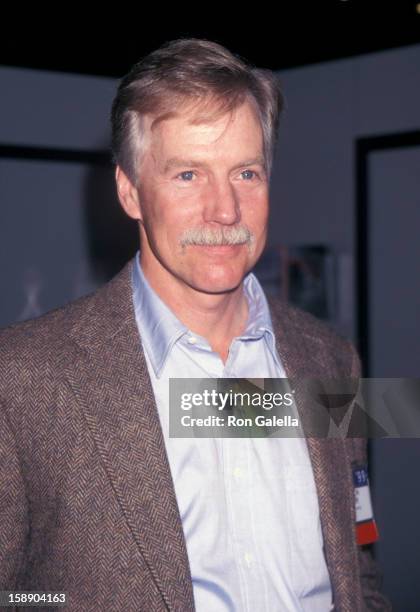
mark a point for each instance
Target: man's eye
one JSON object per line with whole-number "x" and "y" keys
{"x": 250, "y": 174}
{"x": 187, "y": 175}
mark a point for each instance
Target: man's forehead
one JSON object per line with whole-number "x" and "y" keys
{"x": 185, "y": 141}
{"x": 202, "y": 114}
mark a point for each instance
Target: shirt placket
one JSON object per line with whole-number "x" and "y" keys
{"x": 241, "y": 514}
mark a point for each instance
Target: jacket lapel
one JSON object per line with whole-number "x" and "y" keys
{"x": 110, "y": 379}
{"x": 302, "y": 358}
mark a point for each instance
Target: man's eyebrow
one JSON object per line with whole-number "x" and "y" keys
{"x": 175, "y": 162}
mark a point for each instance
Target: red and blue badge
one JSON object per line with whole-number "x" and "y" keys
{"x": 366, "y": 529}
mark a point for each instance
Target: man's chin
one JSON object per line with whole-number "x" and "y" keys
{"x": 217, "y": 286}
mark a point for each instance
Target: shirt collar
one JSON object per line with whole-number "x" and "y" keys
{"x": 160, "y": 329}
{"x": 158, "y": 326}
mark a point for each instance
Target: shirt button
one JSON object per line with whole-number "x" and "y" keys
{"x": 192, "y": 340}
{"x": 248, "y": 559}
{"x": 237, "y": 472}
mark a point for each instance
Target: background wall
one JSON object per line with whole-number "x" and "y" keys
{"x": 329, "y": 106}
{"x": 62, "y": 232}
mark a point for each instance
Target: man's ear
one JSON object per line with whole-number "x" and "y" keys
{"x": 127, "y": 194}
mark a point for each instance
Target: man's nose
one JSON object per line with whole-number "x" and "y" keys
{"x": 222, "y": 203}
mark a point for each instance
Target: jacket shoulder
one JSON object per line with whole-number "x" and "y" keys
{"x": 40, "y": 331}
{"x": 32, "y": 352}
{"x": 39, "y": 345}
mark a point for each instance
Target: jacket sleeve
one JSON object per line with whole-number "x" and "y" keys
{"x": 14, "y": 524}
{"x": 370, "y": 573}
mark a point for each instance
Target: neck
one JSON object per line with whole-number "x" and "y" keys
{"x": 217, "y": 317}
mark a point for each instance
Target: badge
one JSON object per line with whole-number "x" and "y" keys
{"x": 366, "y": 529}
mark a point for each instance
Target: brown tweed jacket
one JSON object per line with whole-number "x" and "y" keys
{"x": 87, "y": 504}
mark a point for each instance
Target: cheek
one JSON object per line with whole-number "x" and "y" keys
{"x": 256, "y": 215}
{"x": 165, "y": 226}
{"x": 176, "y": 207}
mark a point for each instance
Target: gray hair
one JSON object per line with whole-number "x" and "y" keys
{"x": 184, "y": 71}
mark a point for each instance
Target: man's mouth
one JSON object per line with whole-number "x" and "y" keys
{"x": 220, "y": 249}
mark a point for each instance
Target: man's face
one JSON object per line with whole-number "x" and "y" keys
{"x": 201, "y": 184}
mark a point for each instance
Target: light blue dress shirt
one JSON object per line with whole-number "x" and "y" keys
{"x": 248, "y": 506}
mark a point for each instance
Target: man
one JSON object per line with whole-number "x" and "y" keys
{"x": 97, "y": 500}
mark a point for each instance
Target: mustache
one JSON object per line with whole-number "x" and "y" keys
{"x": 217, "y": 236}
